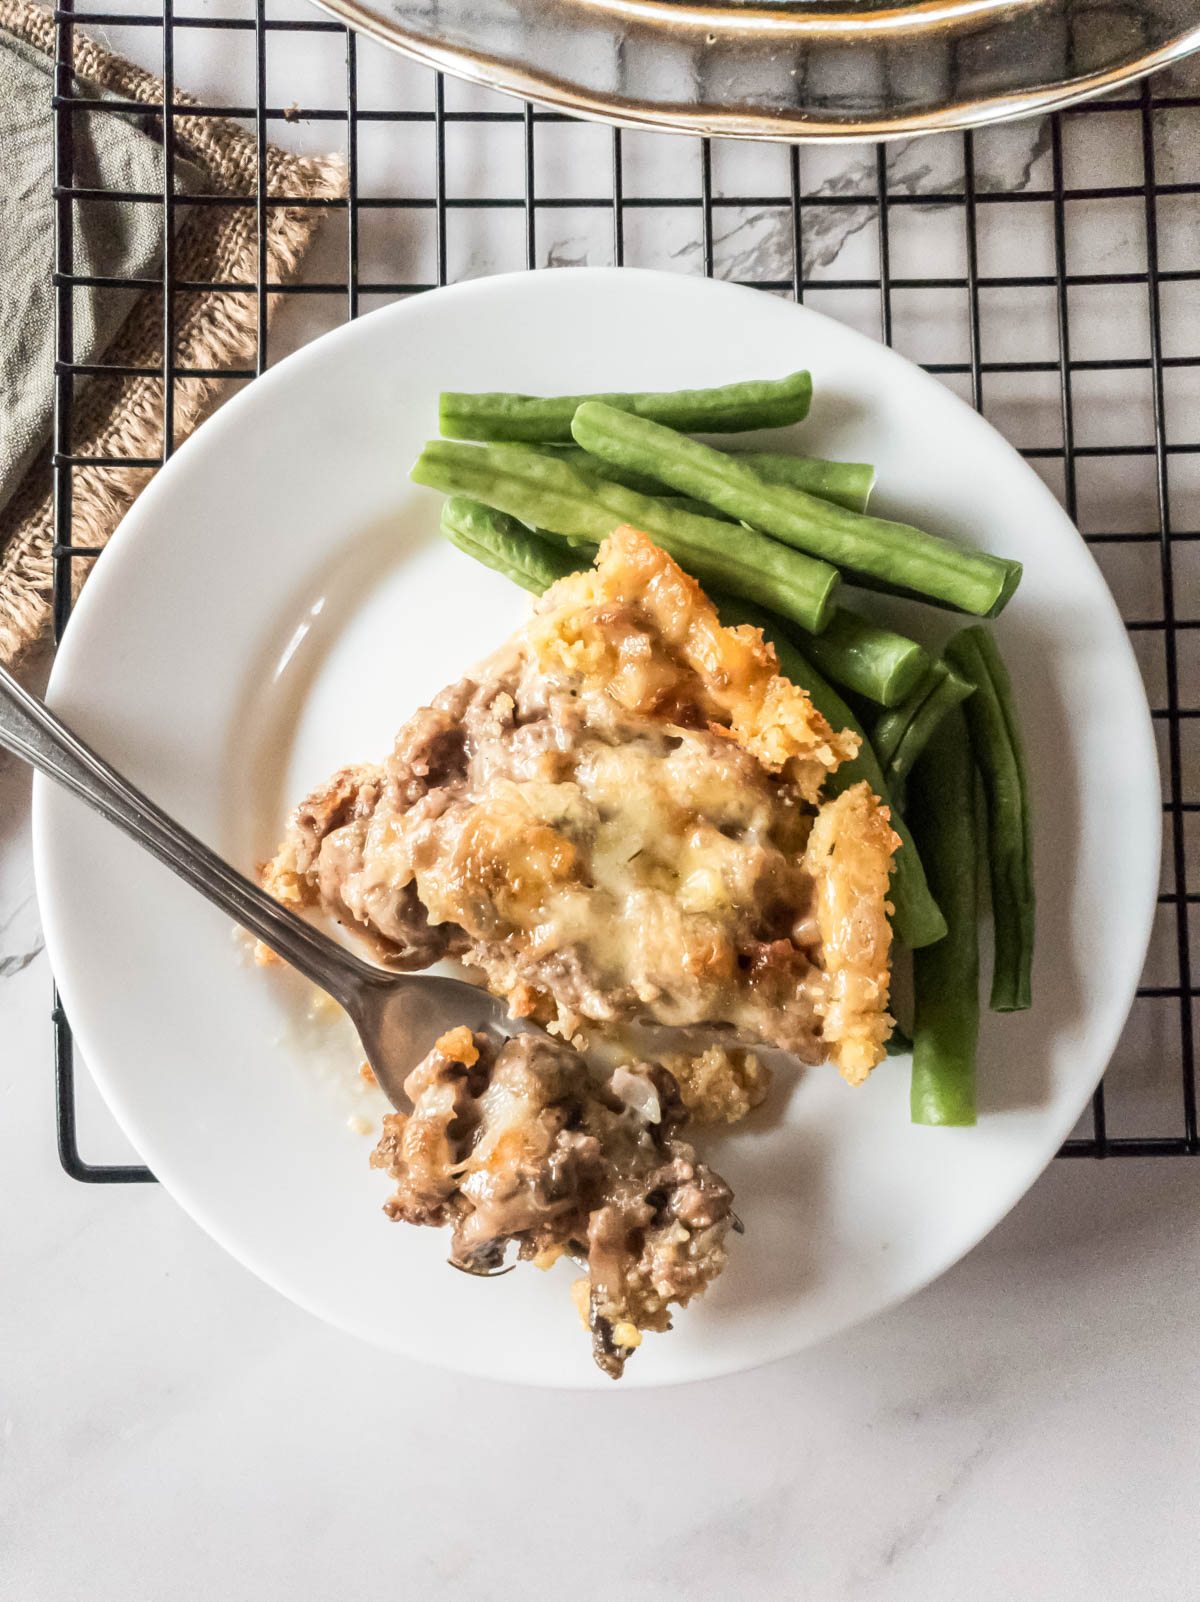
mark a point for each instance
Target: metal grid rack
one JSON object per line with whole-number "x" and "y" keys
{"x": 794, "y": 208}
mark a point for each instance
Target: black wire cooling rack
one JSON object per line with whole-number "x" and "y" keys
{"x": 1064, "y": 231}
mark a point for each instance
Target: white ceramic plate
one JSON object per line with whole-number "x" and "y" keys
{"x": 278, "y": 601}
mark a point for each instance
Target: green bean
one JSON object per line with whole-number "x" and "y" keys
{"x": 559, "y": 499}
{"x": 999, "y": 755}
{"x": 901, "y": 734}
{"x": 916, "y": 918}
{"x": 685, "y": 503}
{"x": 729, "y": 409}
{"x": 500, "y": 542}
{"x": 946, "y": 975}
{"x": 865, "y": 658}
{"x": 898, "y": 1043}
{"x": 847, "y": 483}
{"x": 576, "y": 456}
{"x": 890, "y": 725}
{"x": 891, "y": 553}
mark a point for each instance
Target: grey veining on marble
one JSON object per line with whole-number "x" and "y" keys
{"x": 20, "y": 931}
{"x": 20, "y": 937}
{"x": 755, "y": 243}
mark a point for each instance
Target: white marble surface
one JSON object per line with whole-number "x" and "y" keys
{"x": 170, "y": 1428}
{"x": 1026, "y": 1428}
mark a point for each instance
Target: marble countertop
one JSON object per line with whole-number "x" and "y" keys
{"x": 170, "y": 1428}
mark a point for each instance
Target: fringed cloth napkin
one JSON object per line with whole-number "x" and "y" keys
{"x": 122, "y": 417}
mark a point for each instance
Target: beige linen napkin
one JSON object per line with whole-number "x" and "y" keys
{"x": 122, "y": 417}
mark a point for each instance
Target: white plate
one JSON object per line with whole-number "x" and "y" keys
{"x": 278, "y": 601}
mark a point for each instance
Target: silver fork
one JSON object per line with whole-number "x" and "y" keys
{"x": 398, "y": 1016}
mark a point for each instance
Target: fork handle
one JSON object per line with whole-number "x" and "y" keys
{"x": 32, "y": 732}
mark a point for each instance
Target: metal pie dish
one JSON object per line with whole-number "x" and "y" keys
{"x": 845, "y": 70}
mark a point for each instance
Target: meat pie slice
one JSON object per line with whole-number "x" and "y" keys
{"x": 619, "y": 817}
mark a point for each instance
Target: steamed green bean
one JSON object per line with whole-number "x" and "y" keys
{"x": 728, "y": 409}
{"x": 898, "y": 1043}
{"x": 559, "y": 499}
{"x": 902, "y": 733}
{"x": 889, "y": 553}
{"x": 848, "y": 484}
{"x": 500, "y": 542}
{"x": 999, "y": 755}
{"x": 864, "y": 657}
{"x": 576, "y": 456}
{"x": 946, "y": 975}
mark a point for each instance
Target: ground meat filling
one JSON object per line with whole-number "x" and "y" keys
{"x": 522, "y": 1146}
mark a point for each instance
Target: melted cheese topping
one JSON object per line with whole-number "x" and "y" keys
{"x": 655, "y": 859}
{"x": 616, "y": 824}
